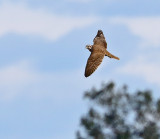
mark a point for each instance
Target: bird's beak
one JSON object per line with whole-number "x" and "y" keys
{"x": 99, "y": 33}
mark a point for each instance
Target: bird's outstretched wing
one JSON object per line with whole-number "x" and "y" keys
{"x": 110, "y": 55}
{"x": 93, "y": 62}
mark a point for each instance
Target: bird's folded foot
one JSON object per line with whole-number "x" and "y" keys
{"x": 89, "y": 47}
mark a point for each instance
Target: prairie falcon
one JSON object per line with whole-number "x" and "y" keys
{"x": 98, "y": 51}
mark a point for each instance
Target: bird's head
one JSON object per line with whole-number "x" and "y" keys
{"x": 99, "y": 33}
{"x": 89, "y": 47}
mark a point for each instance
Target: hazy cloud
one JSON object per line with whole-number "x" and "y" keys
{"x": 80, "y": 1}
{"x": 147, "y": 28}
{"x": 23, "y": 79}
{"x": 142, "y": 68}
{"x": 19, "y": 19}
{"x": 14, "y": 78}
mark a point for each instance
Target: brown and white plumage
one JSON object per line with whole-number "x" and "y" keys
{"x": 98, "y": 51}
{"x": 93, "y": 62}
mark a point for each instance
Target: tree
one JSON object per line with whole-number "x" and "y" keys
{"x": 118, "y": 114}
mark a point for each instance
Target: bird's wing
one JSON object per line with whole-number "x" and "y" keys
{"x": 93, "y": 62}
{"x": 110, "y": 55}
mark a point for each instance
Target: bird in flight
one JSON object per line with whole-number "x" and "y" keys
{"x": 98, "y": 51}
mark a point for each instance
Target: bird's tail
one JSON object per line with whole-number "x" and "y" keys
{"x": 111, "y": 56}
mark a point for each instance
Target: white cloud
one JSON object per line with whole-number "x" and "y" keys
{"x": 87, "y": 1}
{"x": 18, "y": 18}
{"x": 79, "y": 1}
{"x": 23, "y": 79}
{"x": 147, "y": 28}
{"x": 144, "y": 69}
{"x": 14, "y": 78}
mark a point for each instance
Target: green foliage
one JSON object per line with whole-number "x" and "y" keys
{"x": 118, "y": 114}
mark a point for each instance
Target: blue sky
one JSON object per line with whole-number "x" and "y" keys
{"x": 43, "y": 57}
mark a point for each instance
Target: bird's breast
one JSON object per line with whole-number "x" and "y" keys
{"x": 98, "y": 49}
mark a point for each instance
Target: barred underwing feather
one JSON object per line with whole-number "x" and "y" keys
{"x": 93, "y": 62}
